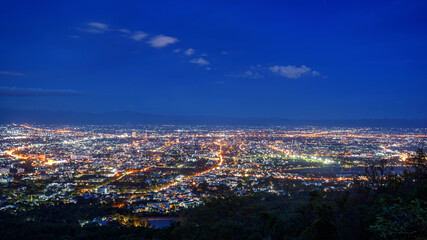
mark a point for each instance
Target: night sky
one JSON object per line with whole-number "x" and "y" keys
{"x": 284, "y": 59}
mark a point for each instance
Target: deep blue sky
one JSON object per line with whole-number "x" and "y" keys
{"x": 288, "y": 59}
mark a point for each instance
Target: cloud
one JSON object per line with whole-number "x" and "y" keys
{"x": 12, "y": 91}
{"x": 248, "y": 74}
{"x": 97, "y": 27}
{"x": 224, "y": 52}
{"x": 7, "y": 73}
{"x": 124, "y": 30}
{"x": 315, "y": 73}
{"x": 154, "y": 40}
{"x": 189, "y": 52}
{"x": 200, "y": 61}
{"x": 74, "y": 36}
{"x": 253, "y": 74}
{"x": 160, "y": 41}
{"x": 138, "y": 36}
{"x": 292, "y": 71}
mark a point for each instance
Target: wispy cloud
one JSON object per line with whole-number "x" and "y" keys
{"x": 124, "y": 30}
{"x": 189, "y": 52}
{"x": 253, "y": 74}
{"x": 156, "y": 40}
{"x": 289, "y": 71}
{"x": 248, "y": 74}
{"x": 317, "y": 74}
{"x": 7, "y": 73}
{"x": 200, "y": 61}
{"x": 160, "y": 41}
{"x": 12, "y": 91}
{"x": 138, "y": 35}
{"x": 292, "y": 71}
{"x": 97, "y": 27}
{"x": 74, "y": 36}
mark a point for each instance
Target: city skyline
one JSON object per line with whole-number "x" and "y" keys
{"x": 311, "y": 60}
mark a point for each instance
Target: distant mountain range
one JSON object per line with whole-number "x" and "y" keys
{"x": 127, "y": 117}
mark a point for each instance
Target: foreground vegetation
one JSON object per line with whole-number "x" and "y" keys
{"x": 382, "y": 206}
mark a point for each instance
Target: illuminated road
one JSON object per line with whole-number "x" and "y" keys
{"x": 116, "y": 178}
{"x": 11, "y": 152}
{"x": 241, "y": 148}
{"x": 220, "y": 162}
{"x": 305, "y": 158}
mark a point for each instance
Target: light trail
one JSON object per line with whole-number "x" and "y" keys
{"x": 241, "y": 148}
{"x": 117, "y": 177}
{"x": 11, "y": 153}
{"x": 220, "y": 162}
{"x": 288, "y": 153}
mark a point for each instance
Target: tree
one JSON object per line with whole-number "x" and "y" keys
{"x": 402, "y": 220}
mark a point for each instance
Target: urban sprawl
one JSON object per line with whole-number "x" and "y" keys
{"x": 164, "y": 169}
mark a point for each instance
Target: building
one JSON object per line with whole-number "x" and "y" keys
{"x": 4, "y": 171}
